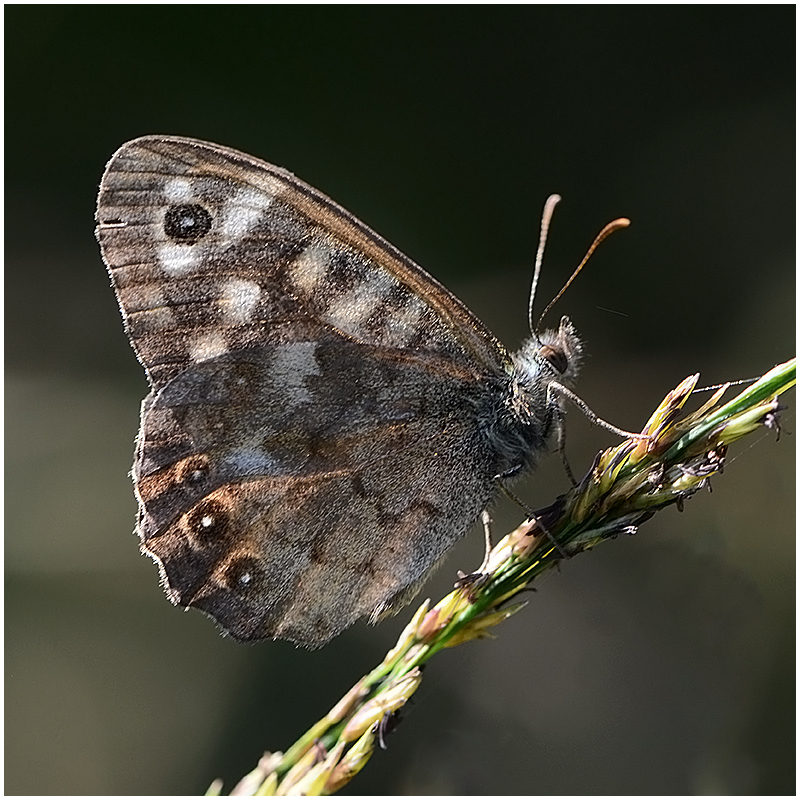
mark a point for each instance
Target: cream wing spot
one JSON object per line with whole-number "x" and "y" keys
{"x": 251, "y": 459}
{"x": 243, "y": 211}
{"x": 178, "y": 190}
{"x": 309, "y": 269}
{"x": 178, "y": 259}
{"x": 403, "y": 324}
{"x": 239, "y": 300}
{"x": 208, "y": 345}
{"x": 292, "y": 364}
{"x": 350, "y": 310}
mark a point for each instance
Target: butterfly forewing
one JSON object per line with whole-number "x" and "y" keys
{"x": 206, "y": 247}
{"x": 314, "y": 440}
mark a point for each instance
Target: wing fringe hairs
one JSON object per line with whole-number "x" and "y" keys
{"x": 625, "y": 486}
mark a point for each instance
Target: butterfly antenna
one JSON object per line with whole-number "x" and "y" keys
{"x": 547, "y": 215}
{"x": 615, "y": 225}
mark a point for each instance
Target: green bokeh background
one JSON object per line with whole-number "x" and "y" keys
{"x": 658, "y": 664}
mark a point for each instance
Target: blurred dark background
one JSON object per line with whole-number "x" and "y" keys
{"x": 657, "y": 664}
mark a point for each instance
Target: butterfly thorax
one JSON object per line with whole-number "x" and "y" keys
{"x": 530, "y": 416}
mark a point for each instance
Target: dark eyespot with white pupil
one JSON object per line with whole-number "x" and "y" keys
{"x": 194, "y": 471}
{"x": 187, "y": 223}
{"x": 209, "y": 523}
{"x": 242, "y": 573}
{"x": 556, "y": 358}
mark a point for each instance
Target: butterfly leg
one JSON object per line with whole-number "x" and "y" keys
{"x": 562, "y": 391}
{"x": 532, "y": 516}
{"x": 486, "y": 521}
{"x": 561, "y": 443}
{"x": 476, "y": 578}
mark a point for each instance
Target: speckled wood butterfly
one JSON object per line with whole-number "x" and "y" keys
{"x": 324, "y": 420}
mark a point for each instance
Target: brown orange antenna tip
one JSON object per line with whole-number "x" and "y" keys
{"x": 612, "y": 226}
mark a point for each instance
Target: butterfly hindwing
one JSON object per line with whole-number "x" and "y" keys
{"x": 305, "y": 512}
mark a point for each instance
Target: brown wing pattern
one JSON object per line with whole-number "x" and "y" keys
{"x": 208, "y": 247}
{"x": 292, "y": 510}
{"x": 313, "y": 440}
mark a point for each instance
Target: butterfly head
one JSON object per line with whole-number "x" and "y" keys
{"x": 552, "y": 355}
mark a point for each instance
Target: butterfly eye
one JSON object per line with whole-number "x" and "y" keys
{"x": 187, "y": 223}
{"x": 554, "y": 357}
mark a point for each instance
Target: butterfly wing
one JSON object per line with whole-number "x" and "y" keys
{"x": 313, "y": 440}
{"x": 202, "y": 241}
{"x": 292, "y": 510}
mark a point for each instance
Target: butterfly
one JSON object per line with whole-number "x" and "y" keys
{"x": 325, "y": 420}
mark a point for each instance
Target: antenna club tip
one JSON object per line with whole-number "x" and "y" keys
{"x": 622, "y": 222}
